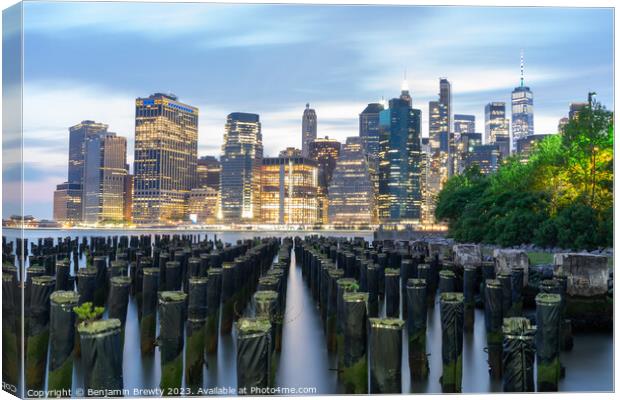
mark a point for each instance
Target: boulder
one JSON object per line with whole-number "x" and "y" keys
{"x": 506, "y": 259}
{"x": 467, "y": 254}
{"x": 587, "y": 274}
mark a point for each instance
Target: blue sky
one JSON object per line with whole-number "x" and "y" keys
{"x": 91, "y": 60}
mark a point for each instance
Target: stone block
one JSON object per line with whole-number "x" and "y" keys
{"x": 506, "y": 259}
{"x": 467, "y": 254}
{"x": 587, "y": 274}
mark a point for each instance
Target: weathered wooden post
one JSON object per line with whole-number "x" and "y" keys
{"x": 416, "y": 328}
{"x": 171, "y": 312}
{"x": 392, "y": 293}
{"x": 102, "y": 357}
{"x": 518, "y": 355}
{"x": 214, "y": 290}
{"x": 493, "y": 315}
{"x": 38, "y": 330}
{"x": 451, "y": 310}
{"x": 253, "y": 355}
{"x": 62, "y": 340}
{"x": 469, "y": 300}
{"x": 150, "y": 284}
{"x": 196, "y": 329}
{"x": 385, "y": 346}
{"x": 354, "y": 364}
{"x": 548, "y": 341}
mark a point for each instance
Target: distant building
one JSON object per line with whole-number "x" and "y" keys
{"x": 202, "y": 204}
{"x": 575, "y": 108}
{"x": 289, "y": 191}
{"x": 369, "y": 129}
{"x": 526, "y": 145}
{"x": 208, "y": 172}
{"x": 290, "y": 152}
{"x": 465, "y": 145}
{"x": 166, "y": 152}
{"x": 105, "y": 173}
{"x": 464, "y": 123}
{"x": 399, "y": 194}
{"x": 128, "y": 197}
{"x": 242, "y": 154}
{"x": 497, "y": 127}
{"x": 68, "y": 203}
{"x": 77, "y": 136}
{"x": 371, "y": 141}
{"x": 351, "y": 196}
{"x": 427, "y": 206}
{"x": 522, "y": 111}
{"x": 308, "y": 129}
{"x": 325, "y": 152}
{"x": 562, "y": 123}
{"x": 486, "y": 156}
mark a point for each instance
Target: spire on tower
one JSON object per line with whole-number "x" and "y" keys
{"x": 522, "y": 66}
{"x": 405, "y": 85}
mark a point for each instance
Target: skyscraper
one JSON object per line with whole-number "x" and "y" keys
{"x": 77, "y": 136}
{"x": 351, "y": 197}
{"x": 486, "y": 156}
{"x": 166, "y": 148}
{"x": 208, "y": 172}
{"x": 440, "y": 161}
{"x": 308, "y": 129}
{"x": 325, "y": 152}
{"x": 464, "y": 146}
{"x": 522, "y": 111}
{"x": 399, "y": 194}
{"x": 289, "y": 190}
{"x": 369, "y": 128}
{"x": 497, "y": 127}
{"x": 105, "y": 174}
{"x": 242, "y": 153}
{"x": 369, "y": 132}
{"x": 464, "y": 124}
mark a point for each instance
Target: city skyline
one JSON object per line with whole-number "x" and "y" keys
{"x": 66, "y": 92}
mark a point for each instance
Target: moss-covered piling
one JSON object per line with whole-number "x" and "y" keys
{"x": 385, "y": 350}
{"x": 451, "y": 310}
{"x": 62, "y": 339}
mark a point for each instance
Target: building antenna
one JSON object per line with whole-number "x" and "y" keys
{"x": 522, "y": 66}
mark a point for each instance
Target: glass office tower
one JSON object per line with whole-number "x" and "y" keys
{"x": 166, "y": 150}
{"x": 351, "y": 195}
{"x": 242, "y": 153}
{"x": 399, "y": 196}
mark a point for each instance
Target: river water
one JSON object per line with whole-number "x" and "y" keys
{"x": 304, "y": 360}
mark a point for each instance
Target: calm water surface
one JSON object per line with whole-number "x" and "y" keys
{"x": 305, "y": 362}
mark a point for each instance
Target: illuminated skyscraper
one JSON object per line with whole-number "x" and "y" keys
{"x": 208, "y": 172}
{"x": 351, "y": 196}
{"x": 441, "y": 158}
{"x": 105, "y": 174}
{"x": 77, "y": 136}
{"x": 242, "y": 153}
{"x": 522, "y": 111}
{"x": 68, "y": 203}
{"x": 464, "y": 124}
{"x": 369, "y": 129}
{"x": 289, "y": 191}
{"x": 399, "y": 195}
{"x": 464, "y": 146}
{"x": 308, "y": 129}
{"x": 427, "y": 206}
{"x": 166, "y": 148}
{"x": 497, "y": 127}
{"x": 486, "y": 156}
{"x": 325, "y": 152}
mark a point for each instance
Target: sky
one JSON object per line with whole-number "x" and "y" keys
{"x": 91, "y": 60}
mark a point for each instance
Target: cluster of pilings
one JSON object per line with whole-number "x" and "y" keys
{"x": 182, "y": 281}
{"x": 368, "y": 293}
{"x": 259, "y": 332}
